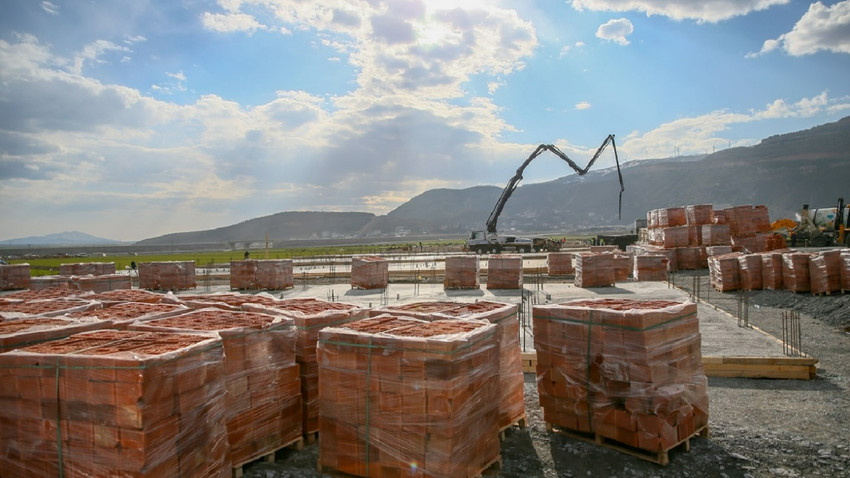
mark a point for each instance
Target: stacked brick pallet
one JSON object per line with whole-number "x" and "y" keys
{"x": 48, "y": 282}
{"x": 845, "y": 270}
{"x": 650, "y": 268}
{"x": 170, "y": 275}
{"x": 504, "y": 271}
{"x": 825, "y": 271}
{"x": 819, "y": 272}
{"x": 310, "y": 316}
{"x": 409, "y": 398}
{"x": 124, "y": 314}
{"x": 725, "y": 271}
{"x": 18, "y": 333}
{"x": 14, "y": 276}
{"x": 263, "y": 402}
{"x": 771, "y": 271}
{"x": 276, "y": 274}
{"x": 369, "y": 272}
{"x": 621, "y": 371}
{"x": 462, "y": 272}
{"x": 114, "y": 403}
{"x": 87, "y": 268}
{"x": 594, "y": 270}
{"x": 10, "y": 309}
{"x": 560, "y": 264}
{"x": 750, "y": 266}
{"x": 504, "y": 316}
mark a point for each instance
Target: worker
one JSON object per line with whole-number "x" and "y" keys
{"x": 247, "y": 255}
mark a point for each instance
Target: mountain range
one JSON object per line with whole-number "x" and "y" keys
{"x": 782, "y": 172}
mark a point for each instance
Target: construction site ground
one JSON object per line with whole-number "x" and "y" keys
{"x": 757, "y": 427}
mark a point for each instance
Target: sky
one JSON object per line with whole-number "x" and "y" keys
{"x": 129, "y": 119}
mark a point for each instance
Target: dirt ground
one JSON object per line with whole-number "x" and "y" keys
{"x": 758, "y": 427}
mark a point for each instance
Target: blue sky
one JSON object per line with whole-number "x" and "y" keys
{"x": 132, "y": 119}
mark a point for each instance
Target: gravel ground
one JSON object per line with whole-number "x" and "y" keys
{"x": 758, "y": 428}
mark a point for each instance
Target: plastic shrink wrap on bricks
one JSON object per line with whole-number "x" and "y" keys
{"x": 127, "y": 295}
{"x": 560, "y": 263}
{"x": 825, "y": 271}
{"x": 699, "y": 214}
{"x": 310, "y": 316}
{"x": 369, "y": 272}
{"x": 271, "y": 274}
{"x": 761, "y": 218}
{"x": 771, "y": 270}
{"x": 45, "y": 307}
{"x": 18, "y": 333}
{"x": 263, "y": 401}
{"x": 402, "y": 397}
{"x": 741, "y": 220}
{"x": 627, "y": 370}
{"x": 594, "y": 270}
{"x": 234, "y": 301}
{"x": 14, "y": 276}
{"x": 504, "y": 271}
{"x": 845, "y": 270}
{"x": 100, "y": 283}
{"x": 672, "y": 217}
{"x": 169, "y": 275}
{"x": 750, "y": 266}
{"x": 622, "y": 265}
{"x": 603, "y": 248}
{"x": 46, "y": 293}
{"x": 511, "y": 402}
{"x": 87, "y": 268}
{"x": 725, "y": 271}
{"x": 650, "y": 268}
{"x": 48, "y": 282}
{"x": 689, "y": 259}
{"x": 115, "y": 403}
{"x": 716, "y": 235}
{"x": 125, "y": 313}
{"x": 718, "y": 250}
{"x": 795, "y": 271}
{"x": 462, "y": 272}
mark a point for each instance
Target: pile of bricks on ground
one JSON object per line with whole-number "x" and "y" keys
{"x": 504, "y": 316}
{"x": 369, "y": 272}
{"x": 462, "y": 272}
{"x": 622, "y": 370}
{"x": 400, "y": 396}
{"x": 271, "y": 274}
{"x": 560, "y": 264}
{"x": 819, "y": 272}
{"x": 167, "y": 275}
{"x": 114, "y": 403}
{"x": 504, "y": 271}
{"x": 688, "y": 235}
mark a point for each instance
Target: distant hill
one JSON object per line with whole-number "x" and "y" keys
{"x": 782, "y": 172}
{"x": 67, "y": 238}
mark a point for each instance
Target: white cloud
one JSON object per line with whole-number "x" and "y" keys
{"x": 616, "y": 30}
{"x": 93, "y": 52}
{"x": 230, "y": 22}
{"x": 583, "y": 105}
{"x": 820, "y": 28}
{"x": 702, "y": 11}
{"x": 50, "y": 8}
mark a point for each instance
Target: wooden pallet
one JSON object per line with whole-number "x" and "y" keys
{"x": 491, "y": 468}
{"x": 239, "y": 470}
{"x": 661, "y": 457}
{"x": 311, "y": 438}
{"x": 794, "y": 368}
{"x": 529, "y": 362}
{"x": 520, "y": 423}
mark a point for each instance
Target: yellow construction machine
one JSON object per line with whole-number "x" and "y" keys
{"x": 818, "y": 227}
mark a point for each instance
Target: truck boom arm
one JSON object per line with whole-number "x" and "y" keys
{"x": 514, "y": 181}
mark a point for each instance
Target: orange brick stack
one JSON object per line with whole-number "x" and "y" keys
{"x": 271, "y": 274}
{"x": 48, "y": 282}
{"x": 594, "y": 270}
{"x": 622, "y": 264}
{"x": 624, "y": 370}
{"x": 100, "y": 283}
{"x": 795, "y": 271}
{"x": 263, "y": 402}
{"x": 650, "y": 268}
{"x": 401, "y": 397}
{"x": 44, "y": 307}
{"x": 699, "y": 214}
{"x": 310, "y": 316}
{"x": 560, "y": 263}
{"x": 845, "y": 270}
{"x": 725, "y": 271}
{"x": 369, "y": 272}
{"x": 750, "y": 266}
{"x": 716, "y": 235}
{"x": 462, "y": 272}
{"x": 771, "y": 270}
{"x": 689, "y": 258}
{"x": 87, "y": 268}
{"x": 127, "y": 295}
{"x": 228, "y": 301}
{"x": 825, "y": 271}
{"x": 125, "y": 313}
{"x": 18, "y": 333}
{"x": 504, "y": 271}
{"x": 718, "y": 250}
{"x": 170, "y": 275}
{"x": 114, "y": 403}
{"x": 14, "y": 276}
